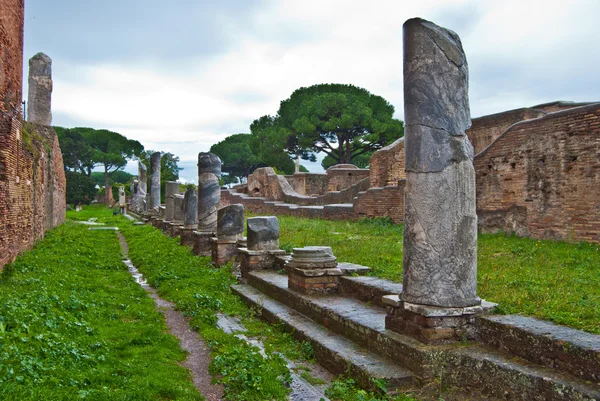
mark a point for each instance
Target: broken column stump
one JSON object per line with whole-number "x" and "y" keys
{"x": 154, "y": 183}
{"x": 190, "y": 218}
{"x": 439, "y": 299}
{"x": 313, "y": 270}
{"x": 262, "y": 244}
{"x": 230, "y": 228}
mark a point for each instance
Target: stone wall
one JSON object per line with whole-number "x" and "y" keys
{"x": 542, "y": 177}
{"x": 387, "y": 165}
{"x": 32, "y": 180}
{"x": 484, "y": 130}
{"x": 308, "y": 183}
{"x": 382, "y": 202}
{"x": 342, "y": 176}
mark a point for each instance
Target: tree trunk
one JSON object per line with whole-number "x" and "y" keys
{"x": 107, "y": 189}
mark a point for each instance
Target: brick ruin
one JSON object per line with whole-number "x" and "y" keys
{"x": 32, "y": 178}
{"x": 537, "y": 170}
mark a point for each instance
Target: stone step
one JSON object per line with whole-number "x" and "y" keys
{"x": 545, "y": 343}
{"x": 479, "y": 368}
{"x": 368, "y": 289}
{"x": 470, "y": 362}
{"x": 351, "y": 318}
{"x": 334, "y": 352}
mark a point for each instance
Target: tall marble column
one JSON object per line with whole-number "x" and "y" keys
{"x": 39, "y": 97}
{"x": 440, "y": 232}
{"x": 209, "y": 191}
{"x": 154, "y": 182}
{"x": 171, "y": 188}
{"x": 142, "y": 187}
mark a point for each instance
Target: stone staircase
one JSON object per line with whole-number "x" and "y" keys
{"x": 515, "y": 358}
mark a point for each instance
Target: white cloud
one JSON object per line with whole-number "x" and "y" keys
{"x": 517, "y": 51}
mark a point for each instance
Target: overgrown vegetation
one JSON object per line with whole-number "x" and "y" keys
{"x": 74, "y": 325}
{"x": 201, "y": 292}
{"x": 551, "y": 280}
{"x": 347, "y": 390}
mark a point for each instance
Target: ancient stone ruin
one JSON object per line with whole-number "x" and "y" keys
{"x": 32, "y": 178}
{"x": 230, "y": 229}
{"x": 154, "y": 183}
{"x": 40, "y": 90}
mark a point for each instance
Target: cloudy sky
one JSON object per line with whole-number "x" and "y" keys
{"x": 181, "y": 75}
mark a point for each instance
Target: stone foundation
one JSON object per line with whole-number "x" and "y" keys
{"x": 223, "y": 251}
{"x": 314, "y": 281}
{"x": 202, "y": 243}
{"x": 431, "y": 324}
{"x": 257, "y": 260}
{"x": 187, "y": 236}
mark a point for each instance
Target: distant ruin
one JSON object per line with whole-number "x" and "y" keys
{"x": 32, "y": 177}
{"x": 537, "y": 174}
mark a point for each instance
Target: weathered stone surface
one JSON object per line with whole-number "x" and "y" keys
{"x": 190, "y": 209}
{"x": 313, "y": 257}
{"x": 122, "y": 201}
{"x": 39, "y": 109}
{"x": 133, "y": 188}
{"x": 263, "y": 233}
{"x": 142, "y": 186}
{"x": 171, "y": 188}
{"x": 230, "y": 223}
{"x": 154, "y": 181}
{"x": 209, "y": 192}
{"x": 440, "y": 235}
{"x": 178, "y": 200}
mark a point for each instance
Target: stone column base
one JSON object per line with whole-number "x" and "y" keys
{"x": 257, "y": 260}
{"x": 202, "y": 244}
{"x": 187, "y": 236}
{"x": 175, "y": 229}
{"x": 223, "y": 251}
{"x": 432, "y": 324}
{"x": 314, "y": 281}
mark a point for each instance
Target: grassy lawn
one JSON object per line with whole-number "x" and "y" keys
{"x": 74, "y": 325}
{"x": 550, "y": 280}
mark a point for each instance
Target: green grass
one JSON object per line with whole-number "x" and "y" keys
{"x": 74, "y": 325}
{"x": 200, "y": 292}
{"x": 551, "y": 280}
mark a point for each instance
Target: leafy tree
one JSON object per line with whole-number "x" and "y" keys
{"x": 169, "y": 170}
{"x": 275, "y": 146}
{"x": 110, "y": 150}
{"x": 76, "y": 151}
{"x": 81, "y": 189}
{"x": 239, "y": 160}
{"x": 361, "y": 161}
{"x": 120, "y": 177}
{"x": 343, "y": 121}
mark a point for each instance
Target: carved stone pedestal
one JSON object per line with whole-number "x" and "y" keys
{"x": 202, "y": 243}
{"x": 313, "y": 270}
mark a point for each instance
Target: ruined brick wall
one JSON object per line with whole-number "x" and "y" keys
{"x": 308, "y": 183}
{"x": 484, "y": 130}
{"x": 385, "y": 201}
{"x": 542, "y": 177}
{"x": 343, "y": 176}
{"x": 32, "y": 181}
{"x": 387, "y": 165}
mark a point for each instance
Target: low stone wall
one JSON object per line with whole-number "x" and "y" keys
{"x": 382, "y": 202}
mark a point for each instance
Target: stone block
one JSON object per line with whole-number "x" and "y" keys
{"x": 202, "y": 243}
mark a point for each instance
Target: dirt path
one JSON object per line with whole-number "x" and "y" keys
{"x": 198, "y": 357}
